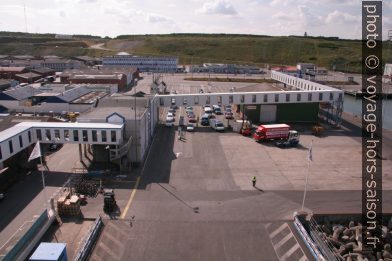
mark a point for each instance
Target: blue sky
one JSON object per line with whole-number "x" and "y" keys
{"x": 340, "y": 18}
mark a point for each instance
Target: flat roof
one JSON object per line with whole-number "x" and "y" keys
{"x": 28, "y": 75}
{"x": 100, "y": 113}
{"x": 12, "y": 69}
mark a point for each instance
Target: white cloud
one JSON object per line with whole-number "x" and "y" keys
{"x": 338, "y": 17}
{"x": 309, "y": 18}
{"x": 284, "y": 16}
{"x": 223, "y": 7}
{"x": 156, "y": 18}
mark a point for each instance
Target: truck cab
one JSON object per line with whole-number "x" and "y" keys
{"x": 291, "y": 141}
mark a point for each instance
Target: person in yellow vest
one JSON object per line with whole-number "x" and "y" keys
{"x": 254, "y": 181}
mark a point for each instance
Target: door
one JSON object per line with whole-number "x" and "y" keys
{"x": 267, "y": 113}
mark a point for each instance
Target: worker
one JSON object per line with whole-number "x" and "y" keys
{"x": 254, "y": 181}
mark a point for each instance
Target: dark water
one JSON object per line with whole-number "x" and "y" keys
{"x": 354, "y": 106}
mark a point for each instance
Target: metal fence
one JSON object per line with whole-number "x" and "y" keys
{"x": 323, "y": 243}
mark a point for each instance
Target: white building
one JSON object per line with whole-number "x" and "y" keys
{"x": 143, "y": 63}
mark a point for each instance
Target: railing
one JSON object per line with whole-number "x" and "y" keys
{"x": 88, "y": 242}
{"x": 318, "y": 235}
{"x": 118, "y": 153}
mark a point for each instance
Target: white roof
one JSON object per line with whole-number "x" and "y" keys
{"x": 24, "y": 126}
{"x": 275, "y": 125}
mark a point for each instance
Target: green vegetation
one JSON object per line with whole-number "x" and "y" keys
{"x": 221, "y": 79}
{"x": 329, "y": 52}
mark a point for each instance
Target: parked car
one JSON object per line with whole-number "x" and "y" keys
{"x": 190, "y": 127}
{"x": 217, "y": 125}
{"x": 217, "y": 111}
{"x": 189, "y": 111}
{"x": 169, "y": 123}
{"x": 191, "y": 114}
{"x": 228, "y": 115}
{"x": 169, "y": 114}
{"x": 170, "y": 117}
{"x": 207, "y": 110}
{"x": 205, "y": 121}
{"x": 172, "y": 111}
{"x": 227, "y": 107}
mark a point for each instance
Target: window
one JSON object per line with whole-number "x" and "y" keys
{"x": 242, "y": 98}
{"x": 330, "y": 96}
{"x": 265, "y": 98}
{"x": 340, "y": 96}
{"x": 66, "y": 135}
{"x": 57, "y": 135}
{"x": 39, "y": 134}
{"x": 1, "y": 155}
{"x": 320, "y": 96}
{"x": 84, "y": 133}
{"x": 76, "y": 135}
{"x": 253, "y": 98}
{"x": 48, "y": 136}
{"x": 161, "y": 101}
{"x": 196, "y": 99}
{"x": 309, "y": 97}
{"x": 29, "y": 136}
{"x": 94, "y": 134}
{"x": 20, "y": 141}
{"x": 10, "y": 146}
{"x": 231, "y": 99}
{"x": 113, "y": 136}
{"x": 208, "y": 100}
{"x": 276, "y": 97}
{"x": 103, "y": 133}
{"x": 219, "y": 99}
{"x": 298, "y": 97}
{"x": 287, "y": 97}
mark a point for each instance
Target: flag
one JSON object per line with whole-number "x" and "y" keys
{"x": 36, "y": 153}
{"x": 310, "y": 154}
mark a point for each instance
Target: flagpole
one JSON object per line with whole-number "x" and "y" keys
{"x": 310, "y": 158}
{"x": 306, "y": 186}
{"x": 43, "y": 181}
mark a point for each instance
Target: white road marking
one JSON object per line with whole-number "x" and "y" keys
{"x": 277, "y": 231}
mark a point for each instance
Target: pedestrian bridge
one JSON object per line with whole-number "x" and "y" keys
{"x": 22, "y": 135}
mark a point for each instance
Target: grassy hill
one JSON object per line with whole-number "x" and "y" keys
{"x": 199, "y": 48}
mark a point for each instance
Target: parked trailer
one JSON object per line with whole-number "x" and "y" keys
{"x": 271, "y": 132}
